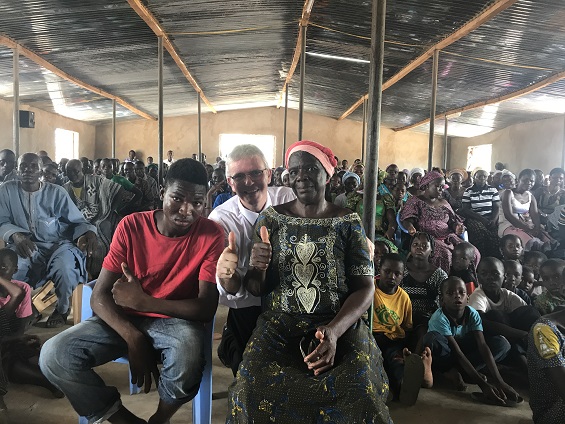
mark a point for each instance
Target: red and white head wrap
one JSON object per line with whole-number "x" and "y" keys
{"x": 323, "y": 154}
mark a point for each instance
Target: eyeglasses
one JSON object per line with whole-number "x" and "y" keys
{"x": 254, "y": 175}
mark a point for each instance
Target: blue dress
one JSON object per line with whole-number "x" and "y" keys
{"x": 307, "y": 282}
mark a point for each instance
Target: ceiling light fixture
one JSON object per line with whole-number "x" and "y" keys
{"x": 331, "y": 56}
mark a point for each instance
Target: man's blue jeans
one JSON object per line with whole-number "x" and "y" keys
{"x": 68, "y": 359}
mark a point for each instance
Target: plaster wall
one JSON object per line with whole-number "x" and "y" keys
{"x": 537, "y": 144}
{"x": 407, "y": 149}
{"x": 42, "y": 137}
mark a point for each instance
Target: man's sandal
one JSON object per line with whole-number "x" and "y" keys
{"x": 56, "y": 320}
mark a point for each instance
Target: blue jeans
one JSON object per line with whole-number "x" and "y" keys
{"x": 68, "y": 359}
{"x": 443, "y": 360}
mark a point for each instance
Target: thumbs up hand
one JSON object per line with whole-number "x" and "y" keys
{"x": 127, "y": 291}
{"x": 227, "y": 263}
{"x": 261, "y": 252}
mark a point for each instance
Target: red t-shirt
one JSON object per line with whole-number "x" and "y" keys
{"x": 167, "y": 267}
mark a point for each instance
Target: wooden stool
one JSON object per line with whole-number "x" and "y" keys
{"x": 77, "y": 304}
{"x": 44, "y": 298}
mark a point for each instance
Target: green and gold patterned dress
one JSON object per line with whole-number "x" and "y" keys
{"x": 307, "y": 283}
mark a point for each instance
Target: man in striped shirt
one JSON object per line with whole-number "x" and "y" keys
{"x": 481, "y": 205}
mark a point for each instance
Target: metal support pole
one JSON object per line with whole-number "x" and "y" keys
{"x": 433, "y": 110}
{"x": 16, "y": 92}
{"x": 160, "y": 112}
{"x": 302, "y": 78}
{"x": 563, "y": 157}
{"x": 445, "y": 144}
{"x": 199, "y": 128}
{"x": 374, "y": 115}
{"x": 113, "y": 128}
{"x": 374, "y": 124}
{"x": 285, "y": 120}
{"x": 364, "y": 135}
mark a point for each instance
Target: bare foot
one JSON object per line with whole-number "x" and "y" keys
{"x": 428, "y": 375}
{"x": 125, "y": 416}
{"x": 455, "y": 378}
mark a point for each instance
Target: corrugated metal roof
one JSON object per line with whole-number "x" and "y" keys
{"x": 521, "y": 46}
{"x": 239, "y": 52}
{"x": 44, "y": 90}
{"x": 545, "y": 103}
{"x": 235, "y": 49}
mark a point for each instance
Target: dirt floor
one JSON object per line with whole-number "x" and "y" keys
{"x": 34, "y": 405}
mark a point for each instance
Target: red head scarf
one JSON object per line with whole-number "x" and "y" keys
{"x": 323, "y": 154}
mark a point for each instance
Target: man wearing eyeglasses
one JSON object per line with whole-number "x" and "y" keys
{"x": 248, "y": 176}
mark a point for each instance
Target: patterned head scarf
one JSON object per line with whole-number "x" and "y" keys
{"x": 429, "y": 177}
{"x": 322, "y": 153}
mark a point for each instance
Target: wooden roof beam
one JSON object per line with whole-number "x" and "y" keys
{"x": 304, "y": 20}
{"x": 510, "y": 96}
{"x": 154, "y": 24}
{"x": 486, "y": 15}
{"x": 8, "y": 42}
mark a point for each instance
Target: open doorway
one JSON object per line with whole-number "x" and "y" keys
{"x": 479, "y": 157}
{"x": 267, "y": 144}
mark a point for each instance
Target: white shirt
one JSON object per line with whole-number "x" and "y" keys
{"x": 233, "y": 216}
{"x": 168, "y": 162}
{"x": 507, "y": 303}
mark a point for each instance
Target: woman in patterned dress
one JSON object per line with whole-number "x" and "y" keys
{"x": 430, "y": 213}
{"x": 311, "y": 357}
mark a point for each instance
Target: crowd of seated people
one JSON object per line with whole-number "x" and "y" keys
{"x": 465, "y": 264}
{"x": 485, "y": 232}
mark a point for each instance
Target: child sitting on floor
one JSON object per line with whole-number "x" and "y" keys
{"x": 511, "y": 247}
{"x": 392, "y": 319}
{"x": 502, "y": 312}
{"x": 534, "y": 261}
{"x": 512, "y": 278}
{"x": 455, "y": 337}
{"x": 21, "y": 317}
{"x": 463, "y": 265}
{"x": 553, "y": 298}
{"x": 546, "y": 369}
{"x": 19, "y": 354}
{"x": 527, "y": 283}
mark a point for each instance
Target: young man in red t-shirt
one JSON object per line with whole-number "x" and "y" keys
{"x": 156, "y": 288}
